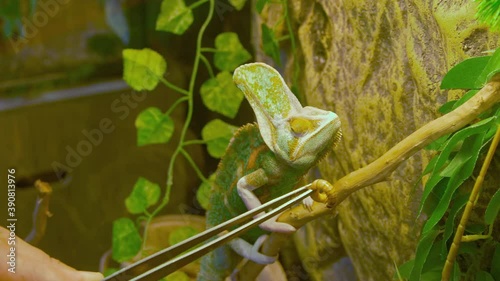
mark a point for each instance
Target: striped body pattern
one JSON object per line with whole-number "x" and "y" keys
{"x": 246, "y": 153}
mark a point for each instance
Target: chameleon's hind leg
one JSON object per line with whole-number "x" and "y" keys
{"x": 245, "y": 186}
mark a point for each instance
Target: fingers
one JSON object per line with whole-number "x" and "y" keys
{"x": 33, "y": 264}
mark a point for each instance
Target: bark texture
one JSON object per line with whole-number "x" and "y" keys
{"x": 378, "y": 65}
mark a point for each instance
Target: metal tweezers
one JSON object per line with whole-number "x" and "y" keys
{"x": 166, "y": 261}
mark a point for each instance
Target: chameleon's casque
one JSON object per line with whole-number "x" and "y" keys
{"x": 264, "y": 160}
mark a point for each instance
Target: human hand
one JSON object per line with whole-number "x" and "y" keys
{"x": 32, "y": 263}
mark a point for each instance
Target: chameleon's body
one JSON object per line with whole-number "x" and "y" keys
{"x": 267, "y": 159}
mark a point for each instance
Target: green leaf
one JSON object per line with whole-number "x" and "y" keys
{"x": 484, "y": 276}
{"x": 465, "y": 74}
{"x": 259, "y": 5}
{"x": 180, "y": 234}
{"x": 487, "y": 11}
{"x": 177, "y": 276}
{"x": 448, "y": 147}
{"x": 491, "y": 69}
{"x": 238, "y": 4}
{"x": 476, "y": 128}
{"x": 423, "y": 249}
{"x": 458, "y": 204}
{"x": 404, "y": 270}
{"x": 174, "y": 17}
{"x": 204, "y": 191}
{"x": 464, "y": 98}
{"x": 221, "y": 95}
{"x": 142, "y": 69}
{"x": 230, "y": 53}
{"x": 435, "y": 180}
{"x": 447, "y": 107}
{"x": 217, "y": 134}
{"x": 144, "y": 195}
{"x": 458, "y": 174}
{"x": 153, "y": 127}
{"x": 495, "y": 263}
{"x": 493, "y": 208}
{"x": 270, "y": 44}
{"x": 126, "y": 240}
{"x": 437, "y": 144}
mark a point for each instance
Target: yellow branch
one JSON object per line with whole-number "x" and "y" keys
{"x": 380, "y": 169}
{"x": 452, "y": 254}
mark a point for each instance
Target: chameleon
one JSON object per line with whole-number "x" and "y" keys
{"x": 263, "y": 161}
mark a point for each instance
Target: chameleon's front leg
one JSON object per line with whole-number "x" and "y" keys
{"x": 246, "y": 185}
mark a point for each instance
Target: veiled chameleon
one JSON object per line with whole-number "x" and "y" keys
{"x": 263, "y": 161}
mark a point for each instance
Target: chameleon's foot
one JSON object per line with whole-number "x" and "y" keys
{"x": 320, "y": 187}
{"x": 272, "y": 225}
{"x": 251, "y": 252}
{"x": 308, "y": 203}
{"x": 256, "y": 256}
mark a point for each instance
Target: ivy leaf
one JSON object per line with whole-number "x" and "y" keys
{"x": 174, "y": 17}
{"x": 126, "y": 240}
{"x": 422, "y": 252}
{"x": 142, "y": 69}
{"x": 144, "y": 195}
{"x": 230, "y": 53}
{"x": 217, "y": 134}
{"x": 204, "y": 191}
{"x": 465, "y": 74}
{"x": 110, "y": 270}
{"x": 270, "y": 44}
{"x": 259, "y": 5}
{"x": 180, "y": 234}
{"x": 238, "y": 4}
{"x": 219, "y": 94}
{"x": 490, "y": 69}
{"x": 153, "y": 127}
{"x": 493, "y": 208}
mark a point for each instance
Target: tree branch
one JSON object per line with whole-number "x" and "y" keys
{"x": 379, "y": 170}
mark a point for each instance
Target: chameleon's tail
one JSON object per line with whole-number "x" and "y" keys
{"x": 216, "y": 265}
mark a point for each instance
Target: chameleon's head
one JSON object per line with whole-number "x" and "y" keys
{"x": 298, "y": 135}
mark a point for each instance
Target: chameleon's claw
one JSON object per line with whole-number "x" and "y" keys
{"x": 320, "y": 188}
{"x": 308, "y": 202}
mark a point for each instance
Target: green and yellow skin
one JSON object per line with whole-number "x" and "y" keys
{"x": 264, "y": 161}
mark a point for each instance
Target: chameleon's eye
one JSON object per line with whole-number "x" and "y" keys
{"x": 300, "y": 126}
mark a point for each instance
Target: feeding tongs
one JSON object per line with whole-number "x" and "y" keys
{"x": 166, "y": 261}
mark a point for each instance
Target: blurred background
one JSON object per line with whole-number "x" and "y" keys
{"x": 60, "y": 79}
